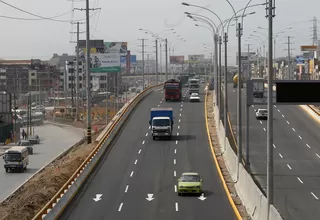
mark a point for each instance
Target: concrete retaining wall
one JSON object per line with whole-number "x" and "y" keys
{"x": 249, "y": 193}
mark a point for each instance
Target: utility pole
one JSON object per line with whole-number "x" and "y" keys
{"x": 270, "y": 13}
{"x": 143, "y": 51}
{"x": 219, "y": 77}
{"x": 166, "y": 59}
{"x": 239, "y": 103}
{"x": 77, "y": 70}
{"x": 88, "y": 66}
{"x": 225, "y": 116}
{"x": 247, "y": 115}
{"x": 157, "y": 80}
{"x": 289, "y": 58}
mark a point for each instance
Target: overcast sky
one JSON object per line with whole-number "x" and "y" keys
{"x": 121, "y": 20}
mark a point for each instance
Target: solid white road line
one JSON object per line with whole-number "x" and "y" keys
{"x": 300, "y": 180}
{"x": 177, "y": 207}
{"x": 126, "y": 190}
{"x": 131, "y": 174}
{"x": 314, "y": 196}
{"x": 120, "y": 207}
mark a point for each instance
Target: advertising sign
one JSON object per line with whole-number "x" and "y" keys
{"x": 133, "y": 59}
{"x": 196, "y": 58}
{"x": 102, "y": 63}
{"x": 176, "y": 59}
{"x": 115, "y": 47}
{"x": 300, "y": 60}
{"x": 309, "y": 48}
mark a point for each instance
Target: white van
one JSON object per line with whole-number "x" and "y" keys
{"x": 16, "y": 158}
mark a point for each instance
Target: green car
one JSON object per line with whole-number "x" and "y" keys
{"x": 189, "y": 183}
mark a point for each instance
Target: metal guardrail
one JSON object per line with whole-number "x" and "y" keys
{"x": 87, "y": 166}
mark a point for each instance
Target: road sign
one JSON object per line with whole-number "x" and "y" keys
{"x": 257, "y": 92}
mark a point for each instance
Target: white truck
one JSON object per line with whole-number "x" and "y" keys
{"x": 161, "y": 122}
{"x": 194, "y": 86}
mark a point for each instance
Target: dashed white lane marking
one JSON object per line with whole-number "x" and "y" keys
{"x": 293, "y": 129}
{"x": 120, "y": 207}
{"x": 252, "y": 106}
{"x": 300, "y": 180}
{"x": 177, "y": 207}
{"x": 308, "y": 146}
{"x": 179, "y": 120}
{"x": 274, "y": 146}
{"x": 147, "y": 134}
{"x": 280, "y": 155}
{"x": 181, "y": 105}
{"x": 158, "y": 105}
{"x": 318, "y": 155}
{"x": 176, "y": 142}
{"x": 288, "y": 123}
{"x": 174, "y": 173}
{"x": 131, "y": 174}
{"x": 180, "y": 115}
{"x": 289, "y": 166}
{"x": 135, "y": 162}
{"x": 175, "y": 151}
{"x": 126, "y": 190}
{"x": 149, "y": 127}
{"x": 278, "y": 110}
{"x": 275, "y": 106}
{"x": 260, "y": 122}
{"x": 160, "y": 102}
{"x": 174, "y": 161}
{"x": 282, "y": 116}
{"x": 175, "y": 188}
{"x": 180, "y": 109}
{"x": 139, "y": 151}
{"x": 299, "y": 136}
{"x": 264, "y": 129}
{"x": 143, "y": 142}
{"x": 178, "y": 134}
{"x": 178, "y": 126}
{"x": 314, "y": 196}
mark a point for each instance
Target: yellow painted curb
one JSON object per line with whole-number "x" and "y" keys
{"x": 233, "y": 205}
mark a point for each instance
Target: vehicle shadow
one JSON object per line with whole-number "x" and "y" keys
{"x": 182, "y": 137}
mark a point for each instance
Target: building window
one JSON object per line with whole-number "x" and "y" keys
{"x": 33, "y": 74}
{"x": 71, "y": 70}
{"x": 80, "y": 70}
{"x": 103, "y": 77}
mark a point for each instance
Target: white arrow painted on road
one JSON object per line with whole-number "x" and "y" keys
{"x": 98, "y": 197}
{"x": 150, "y": 197}
{"x": 202, "y": 197}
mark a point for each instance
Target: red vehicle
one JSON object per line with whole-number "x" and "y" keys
{"x": 172, "y": 90}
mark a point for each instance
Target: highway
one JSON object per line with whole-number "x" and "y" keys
{"x": 296, "y": 158}
{"x": 137, "y": 166}
{"x": 54, "y": 140}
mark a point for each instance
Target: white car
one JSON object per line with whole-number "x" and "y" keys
{"x": 261, "y": 114}
{"x": 194, "y": 97}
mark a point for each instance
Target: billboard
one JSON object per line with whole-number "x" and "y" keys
{"x": 133, "y": 59}
{"x": 102, "y": 63}
{"x": 300, "y": 60}
{"x": 196, "y": 58}
{"x": 176, "y": 59}
{"x": 115, "y": 47}
{"x": 309, "y": 48}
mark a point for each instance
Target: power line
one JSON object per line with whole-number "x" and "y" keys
{"x": 34, "y": 19}
{"x": 39, "y": 16}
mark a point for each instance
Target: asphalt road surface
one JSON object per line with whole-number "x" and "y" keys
{"x": 296, "y": 158}
{"x": 54, "y": 140}
{"x": 137, "y": 166}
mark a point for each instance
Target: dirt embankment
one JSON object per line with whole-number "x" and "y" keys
{"x": 224, "y": 170}
{"x": 24, "y": 204}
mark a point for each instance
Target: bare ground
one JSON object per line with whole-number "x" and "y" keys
{"x": 223, "y": 168}
{"x": 24, "y": 204}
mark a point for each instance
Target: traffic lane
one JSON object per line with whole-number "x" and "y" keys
{"x": 154, "y": 176}
{"x": 303, "y": 127}
{"x": 194, "y": 155}
{"x": 54, "y": 140}
{"x": 111, "y": 177}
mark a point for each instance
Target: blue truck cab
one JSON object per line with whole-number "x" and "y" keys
{"x": 161, "y": 122}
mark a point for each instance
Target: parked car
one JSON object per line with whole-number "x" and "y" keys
{"x": 34, "y": 139}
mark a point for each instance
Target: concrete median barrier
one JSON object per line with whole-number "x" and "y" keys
{"x": 249, "y": 193}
